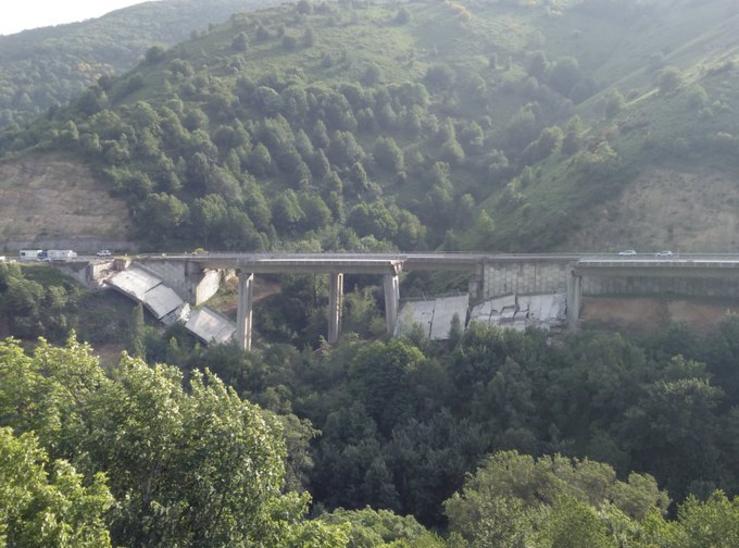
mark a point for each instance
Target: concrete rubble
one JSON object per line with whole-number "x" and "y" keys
{"x": 521, "y": 311}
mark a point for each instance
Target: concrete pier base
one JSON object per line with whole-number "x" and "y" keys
{"x": 335, "y": 306}
{"x": 244, "y": 313}
{"x": 392, "y": 302}
{"x": 574, "y": 300}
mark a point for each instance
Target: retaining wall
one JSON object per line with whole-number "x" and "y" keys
{"x": 525, "y": 278}
{"x": 593, "y": 286}
{"x": 548, "y": 277}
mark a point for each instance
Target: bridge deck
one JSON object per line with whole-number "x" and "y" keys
{"x": 350, "y": 263}
{"x": 381, "y": 263}
{"x": 658, "y": 267}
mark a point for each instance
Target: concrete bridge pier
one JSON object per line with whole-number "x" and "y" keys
{"x": 335, "y": 306}
{"x": 574, "y": 299}
{"x": 392, "y": 302}
{"x": 244, "y": 312}
{"x": 477, "y": 284}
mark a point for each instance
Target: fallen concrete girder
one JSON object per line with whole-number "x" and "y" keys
{"x": 141, "y": 285}
{"x": 521, "y": 311}
{"x": 433, "y": 316}
{"x": 210, "y": 326}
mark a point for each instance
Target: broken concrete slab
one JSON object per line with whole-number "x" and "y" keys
{"x": 445, "y": 309}
{"x": 161, "y": 301}
{"x": 416, "y": 313}
{"x": 134, "y": 282}
{"x": 434, "y": 316}
{"x": 210, "y": 326}
{"x": 482, "y": 312}
{"x": 546, "y": 308}
{"x": 521, "y": 311}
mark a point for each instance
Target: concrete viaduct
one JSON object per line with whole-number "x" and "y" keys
{"x": 489, "y": 275}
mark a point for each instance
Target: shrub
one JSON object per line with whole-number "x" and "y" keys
{"x": 289, "y": 42}
{"x": 240, "y": 42}
{"x": 154, "y": 55}
{"x": 388, "y": 154}
{"x": 669, "y": 80}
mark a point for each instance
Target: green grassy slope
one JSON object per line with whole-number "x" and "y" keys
{"x": 489, "y": 125}
{"x": 693, "y": 127}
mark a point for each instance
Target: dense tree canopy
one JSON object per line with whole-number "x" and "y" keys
{"x": 401, "y": 427}
{"x": 42, "y": 507}
{"x": 195, "y": 467}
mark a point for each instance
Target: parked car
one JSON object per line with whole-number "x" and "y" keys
{"x": 663, "y": 254}
{"x": 627, "y": 253}
{"x": 104, "y": 253}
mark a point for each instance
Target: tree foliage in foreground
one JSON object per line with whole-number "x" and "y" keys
{"x": 187, "y": 467}
{"x": 516, "y": 500}
{"x": 46, "y": 503}
{"x": 137, "y": 456}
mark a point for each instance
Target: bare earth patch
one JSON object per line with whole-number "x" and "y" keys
{"x": 226, "y": 303}
{"x": 50, "y": 197}
{"x": 109, "y": 354}
{"x": 666, "y": 209}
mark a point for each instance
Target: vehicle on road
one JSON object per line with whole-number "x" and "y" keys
{"x": 59, "y": 255}
{"x": 30, "y": 254}
{"x": 104, "y": 253}
{"x": 663, "y": 254}
{"x": 627, "y": 253}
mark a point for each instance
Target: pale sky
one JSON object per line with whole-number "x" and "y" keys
{"x": 18, "y": 15}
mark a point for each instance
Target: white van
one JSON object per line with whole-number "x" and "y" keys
{"x": 29, "y": 254}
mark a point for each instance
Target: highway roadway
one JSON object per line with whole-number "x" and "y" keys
{"x": 382, "y": 262}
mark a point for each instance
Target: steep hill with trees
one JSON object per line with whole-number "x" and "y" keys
{"x": 47, "y": 67}
{"x": 360, "y": 125}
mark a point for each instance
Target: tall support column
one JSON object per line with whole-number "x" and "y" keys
{"x": 335, "y": 306}
{"x": 477, "y": 284}
{"x": 392, "y": 302}
{"x": 244, "y": 313}
{"x": 574, "y": 299}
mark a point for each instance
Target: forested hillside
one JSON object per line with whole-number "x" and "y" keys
{"x": 160, "y": 456}
{"x": 47, "y": 67}
{"x": 488, "y": 125}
